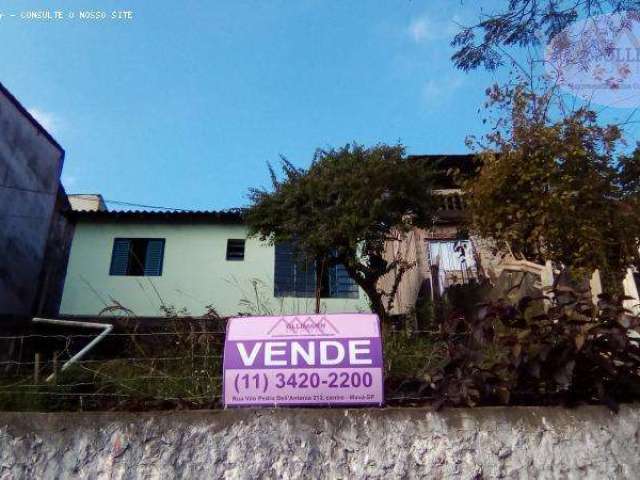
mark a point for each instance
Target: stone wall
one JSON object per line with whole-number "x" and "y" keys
{"x": 586, "y": 443}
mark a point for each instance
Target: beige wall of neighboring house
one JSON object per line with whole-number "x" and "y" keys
{"x": 87, "y": 202}
{"x": 631, "y": 290}
{"x": 487, "y": 262}
{"x": 413, "y": 247}
{"x": 407, "y": 247}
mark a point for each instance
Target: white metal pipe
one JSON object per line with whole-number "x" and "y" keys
{"x": 105, "y": 327}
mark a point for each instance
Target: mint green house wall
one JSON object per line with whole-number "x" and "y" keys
{"x": 195, "y": 273}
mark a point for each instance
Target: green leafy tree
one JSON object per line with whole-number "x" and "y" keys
{"x": 344, "y": 209}
{"x": 557, "y": 189}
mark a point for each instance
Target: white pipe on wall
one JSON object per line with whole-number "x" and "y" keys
{"x": 105, "y": 327}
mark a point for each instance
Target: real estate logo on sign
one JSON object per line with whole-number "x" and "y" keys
{"x": 303, "y": 360}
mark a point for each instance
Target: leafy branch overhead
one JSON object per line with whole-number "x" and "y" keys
{"x": 345, "y": 207}
{"x": 523, "y": 23}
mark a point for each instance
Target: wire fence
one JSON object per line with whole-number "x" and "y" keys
{"x": 176, "y": 366}
{"x": 177, "y": 362}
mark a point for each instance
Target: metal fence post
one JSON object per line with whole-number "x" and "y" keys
{"x": 36, "y": 369}
{"x": 55, "y": 366}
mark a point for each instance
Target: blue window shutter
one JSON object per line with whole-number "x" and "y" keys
{"x": 119, "y": 257}
{"x": 341, "y": 284}
{"x": 305, "y": 278}
{"x": 293, "y": 276}
{"x": 284, "y": 270}
{"x": 333, "y": 281}
{"x": 154, "y": 257}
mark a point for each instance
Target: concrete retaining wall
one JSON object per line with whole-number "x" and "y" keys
{"x": 589, "y": 442}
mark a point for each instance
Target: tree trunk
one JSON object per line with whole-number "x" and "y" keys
{"x": 369, "y": 286}
{"x": 375, "y": 301}
{"x": 319, "y": 263}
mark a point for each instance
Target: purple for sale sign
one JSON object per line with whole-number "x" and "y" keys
{"x": 303, "y": 360}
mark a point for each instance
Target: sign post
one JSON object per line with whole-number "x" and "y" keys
{"x": 303, "y": 360}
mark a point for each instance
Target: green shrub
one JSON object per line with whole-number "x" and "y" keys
{"x": 407, "y": 359}
{"x": 518, "y": 354}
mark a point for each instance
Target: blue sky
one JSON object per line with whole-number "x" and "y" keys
{"x": 184, "y": 105}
